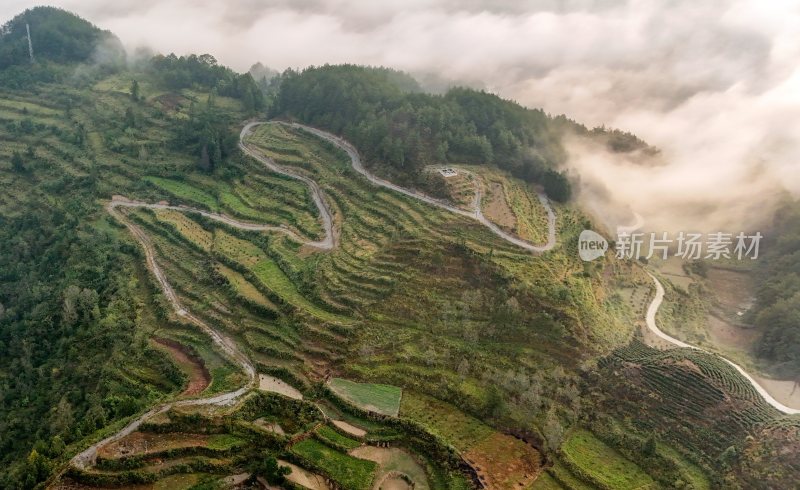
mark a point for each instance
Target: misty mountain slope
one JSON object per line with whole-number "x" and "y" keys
{"x": 401, "y": 129}
{"x": 57, "y": 36}
{"x": 777, "y": 309}
{"x": 502, "y": 365}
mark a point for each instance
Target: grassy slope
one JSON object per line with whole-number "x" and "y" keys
{"x": 346, "y": 470}
{"x": 601, "y": 464}
{"x": 380, "y": 398}
{"x": 426, "y": 289}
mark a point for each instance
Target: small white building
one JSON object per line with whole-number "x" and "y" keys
{"x": 448, "y": 172}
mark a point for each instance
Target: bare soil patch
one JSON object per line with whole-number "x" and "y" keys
{"x": 505, "y": 462}
{"x": 392, "y": 462}
{"x": 275, "y": 428}
{"x": 350, "y": 429}
{"x": 733, "y": 291}
{"x": 722, "y": 333}
{"x": 199, "y": 377}
{"x": 146, "y": 442}
{"x": 392, "y": 482}
{"x": 496, "y": 208}
{"x": 170, "y": 101}
{"x": 304, "y": 477}
{"x": 275, "y": 385}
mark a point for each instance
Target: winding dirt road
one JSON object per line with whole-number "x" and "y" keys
{"x": 88, "y": 456}
{"x": 331, "y": 238}
{"x": 651, "y": 324}
{"x": 476, "y": 213}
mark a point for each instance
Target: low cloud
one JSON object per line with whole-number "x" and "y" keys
{"x": 715, "y": 85}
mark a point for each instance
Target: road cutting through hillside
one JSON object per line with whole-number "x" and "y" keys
{"x": 651, "y": 324}
{"x": 475, "y": 213}
{"x": 88, "y": 456}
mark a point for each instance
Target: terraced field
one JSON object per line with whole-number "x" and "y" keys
{"x": 190, "y": 443}
{"x": 379, "y": 398}
{"x": 264, "y": 269}
{"x": 602, "y": 466}
{"x": 501, "y": 461}
{"x": 408, "y": 292}
{"x": 686, "y": 384}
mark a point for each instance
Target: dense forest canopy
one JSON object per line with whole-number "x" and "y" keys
{"x": 777, "y": 309}
{"x": 58, "y": 36}
{"x": 387, "y": 116}
{"x": 78, "y": 307}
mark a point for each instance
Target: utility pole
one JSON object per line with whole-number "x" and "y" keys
{"x": 30, "y": 44}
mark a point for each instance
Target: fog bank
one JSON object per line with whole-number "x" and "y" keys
{"x": 715, "y": 85}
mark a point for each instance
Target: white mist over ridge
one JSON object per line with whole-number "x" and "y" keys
{"x": 715, "y": 85}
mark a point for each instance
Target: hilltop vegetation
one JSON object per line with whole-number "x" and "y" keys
{"x": 402, "y": 129}
{"x": 777, "y": 309}
{"x": 473, "y": 337}
{"x": 58, "y": 36}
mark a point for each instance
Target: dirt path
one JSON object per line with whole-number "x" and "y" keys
{"x": 88, "y": 456}
{"x": 199, "y": 377}
{"x": 651, "y": 324}
{"x": 325, "y": 213}
{"x": 476, "y": 212}
{"x": 349, "y": 428}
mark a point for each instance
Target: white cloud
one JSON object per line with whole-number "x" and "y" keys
{"x": 714, "y": 84}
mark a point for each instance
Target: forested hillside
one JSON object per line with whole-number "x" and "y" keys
{"x": 76, "y": 307}
{"x": 146, "y": 258}
{"x": 57, "y": 36}
{"x": 777, "y": 309}
{"x": 404, "y": 129}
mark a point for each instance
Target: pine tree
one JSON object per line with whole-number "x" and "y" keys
{"x": 130, "y": 118}
{"x": 135, "y": 90}
{"x": 650, "y": 445}
{"x": 17, "y": 163}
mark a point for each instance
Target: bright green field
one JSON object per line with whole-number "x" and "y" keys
{"x": 379, "y": 398}
{"x": 328, "y": 434}
{"x": 273, "y": 277}
{"x": 184, "y": 191}
{"x": 603, "y": 464}
{"x": 349, "y": 472}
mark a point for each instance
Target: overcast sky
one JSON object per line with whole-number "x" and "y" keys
{"x": 714, "y": 83}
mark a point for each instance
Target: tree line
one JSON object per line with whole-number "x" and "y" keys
{"x": 398, "y": 126}
{"x": 777, "y": 308}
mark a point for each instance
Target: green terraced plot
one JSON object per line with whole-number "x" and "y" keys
{"x": 461, "y": 430}
{"x": 379, "y": 398}
{"x": 349, "y": 472}
{"x": 184, "y": 191}
{"x": 224, "y": 441}
{"x": 327, "y": 434}
{"x": 591, "y": 459}
{"x": 187, "y": 227}
{"x": 243, "y": 287}
{"x": 273, "y": 277}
